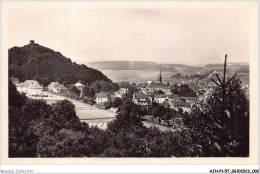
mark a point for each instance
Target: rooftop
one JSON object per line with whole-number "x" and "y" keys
{"x": 102, "y": 95}
{"x": 159, "y": 85}
{"x": 141, "y": 95}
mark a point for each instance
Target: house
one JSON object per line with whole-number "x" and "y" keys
{"x": 141, "y": 99}
{"x": 182, "y": 103}
{"x": 141, "y": 85}
{"x": 201, "y": 97}
{"x": 14, "y": 80}
{"x": 195, "y": 104}
{"x": 121, "y": 92}
{"x": 160, "y": 98}
{"x": 22, "y": 87}
{"x": 102, "y": 97}
{"x": 79, "y": 86}
{"x": 35, "y": 89}
{"x": 30, "y": 87}
{"x": 30, "y": 82}
{"x": 191, "y": 99}
{"x": 53, "y": 87}
{"x": 159, "y": 86}
{"x": 173, "y": 97}
{"x": 61, "y": 89}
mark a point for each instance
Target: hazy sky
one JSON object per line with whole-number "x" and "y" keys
{"x": 195, "y": 36}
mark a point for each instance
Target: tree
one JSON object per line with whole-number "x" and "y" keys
{"x": 127, "y": 119}
{"x": 86, "y": 90}
{"x": 92, "y": 93}
{"x": 64, "y": 110}
{"x": 74, "y": 90}
{"x": 15, "y": 99}
{"x": 159, "y": 111}
{"x": 117, "y": 102}
{"x": 101, "y": 85}
{"x": 230, "y": 122}
{"x": 224, "y": 121}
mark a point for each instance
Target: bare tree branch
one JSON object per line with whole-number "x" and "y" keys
{"x": 215, "y": 82}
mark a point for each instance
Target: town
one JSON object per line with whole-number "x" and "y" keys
{"x": 179, "y": 97}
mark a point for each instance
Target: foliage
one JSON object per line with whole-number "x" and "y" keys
{"x": 74, "y": 90}
{"x": 159, "y": 111}
{"x": 222, "y": 131}
{"x": 190, "y": 76}
{"x": 33, "y": 61}
{"x": 104, "y": 86}
{"x": 183, "y": 90}
{"x": 64, "y": 110}
{"x": 117, "y": 102}
{"x": 15, "y": 99}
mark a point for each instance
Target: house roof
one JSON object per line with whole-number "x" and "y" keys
{"x": 30, "y": 82}
{"x": 141, "y": 85}
{"x": 160, "y": 96}
{"x": 54, "y": 84}
{"x": 35, "y": 85}
{"x": 173, "y": 96}
{"x": 102, "y": 95}
{"x": 182, "y": 103}
{"x": 78, "y": 84}
{"x": 61, "y": 87}
{"x": 22, "y": 84}
{"x": 141, "y": 95}
{"x": 159, "y": 85}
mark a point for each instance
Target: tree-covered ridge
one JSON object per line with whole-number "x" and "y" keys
{"x": 34, "y": 61}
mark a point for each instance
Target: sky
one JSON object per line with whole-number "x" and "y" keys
{"x": 188, "y": 36}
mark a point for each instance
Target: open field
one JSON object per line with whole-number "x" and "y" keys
{"x": 92, "y": 115}
{"x": 83, "y": 110}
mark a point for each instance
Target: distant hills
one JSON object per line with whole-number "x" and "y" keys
{"x": 149, "y": 65}
{"x": 37, "y": 62}
{"x": 136, "y": 65}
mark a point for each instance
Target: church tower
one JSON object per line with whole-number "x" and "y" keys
{"x": 160, "y": 77}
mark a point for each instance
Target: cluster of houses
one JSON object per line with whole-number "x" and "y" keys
{"x": 56, "y": 87}
{"x": 156, "y": 85}
{"x": 33, "y": 88}
{"x": 103, "y": 97}
{"x": 30, "y": 87}
{"x": 172, "y": 100}
{"x": 144, "y": 98}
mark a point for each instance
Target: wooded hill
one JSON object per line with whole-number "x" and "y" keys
{"x": 37, "y": 62}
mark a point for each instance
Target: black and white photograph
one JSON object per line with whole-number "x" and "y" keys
{"x": 134, "y": 82}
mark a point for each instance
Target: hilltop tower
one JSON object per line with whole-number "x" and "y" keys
{"x": 160, "y": 77}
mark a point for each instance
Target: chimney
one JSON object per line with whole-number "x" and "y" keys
{"x": 32, "y": 41}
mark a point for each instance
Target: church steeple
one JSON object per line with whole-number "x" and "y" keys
{"x": 160, "y": 77}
